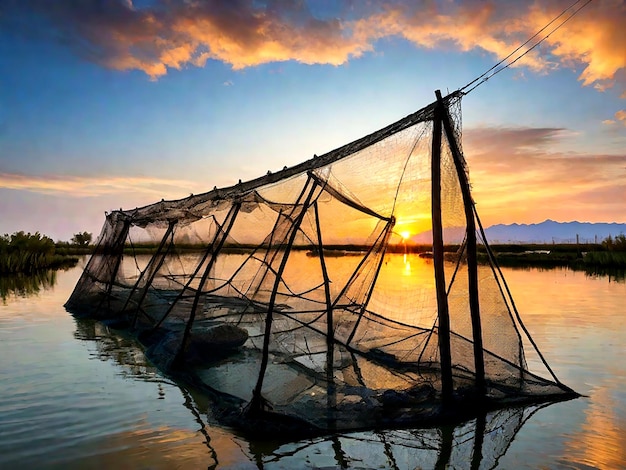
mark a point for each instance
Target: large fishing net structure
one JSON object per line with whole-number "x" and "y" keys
{"x": 300, "y": 297}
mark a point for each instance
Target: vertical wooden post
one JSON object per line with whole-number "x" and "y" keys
{"x": 208, "y": 251}
{"x": 119, "y": 252}
{"x": 472, "y": 263}
{"x": 440, "y": 281}
{"x": 331, "y": 395}
{"x": 255, "y": 403}
{"x": 329, "y": 305}
{"x": 230, "y": 220}
{"x": 152, "y": 267}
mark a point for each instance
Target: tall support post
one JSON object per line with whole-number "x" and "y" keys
{"x": 88, "y": 274}
{"x": 472, "y": 263}
{"x": 440, "y": 280}
{"x": 219, "y": 241}
{"x": 208, "y": 251}
{"x": 329, "y": 306}
{"x": 119, "y": 252}
{"x": 256, "y": 402}
{"x": 152, "y": 268}
{"x": 331, "y": 401}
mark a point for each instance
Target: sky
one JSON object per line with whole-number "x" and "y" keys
{"x": 108, "y": 104}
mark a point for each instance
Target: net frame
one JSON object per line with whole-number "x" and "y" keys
{"x": 316, "y": 336}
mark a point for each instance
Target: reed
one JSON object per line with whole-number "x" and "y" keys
{"x": 606, "y": 259}
{"x": 26, "y": 253}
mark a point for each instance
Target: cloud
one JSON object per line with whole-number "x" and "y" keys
{"x": 173, "y": 34}
{"x": 75, "y": 186}
{"x": 621, "y": 116}
{"x": 516, "y": 177}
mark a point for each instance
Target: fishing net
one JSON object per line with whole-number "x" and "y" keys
{"x": 341, "y": 293}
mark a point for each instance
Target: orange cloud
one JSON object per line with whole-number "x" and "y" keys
{"x": 515, "y": 178}
{"x": 456, "y": 25}
{"x": 96, "y": 186}
{"x": 596, "y": 38}
{"x": 172, "y": 34}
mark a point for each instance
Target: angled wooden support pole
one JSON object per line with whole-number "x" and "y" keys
{"x": 440, "y": 281}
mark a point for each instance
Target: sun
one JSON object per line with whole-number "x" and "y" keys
{"x": 405, "y": 235}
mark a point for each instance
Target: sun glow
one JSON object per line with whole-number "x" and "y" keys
{"x": 405, "y": 235}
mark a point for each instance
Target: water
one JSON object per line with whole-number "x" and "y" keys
{"x": 74, "y": 394}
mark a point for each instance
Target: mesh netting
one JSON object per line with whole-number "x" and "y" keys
{"x": 305, "y": 293}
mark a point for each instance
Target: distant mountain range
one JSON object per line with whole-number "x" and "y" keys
{"x": 550, "y": 231}
{"x": 547, "y": 231}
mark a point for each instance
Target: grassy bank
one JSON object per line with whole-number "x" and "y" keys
{"x": 606, "y": 259}
{"x": 536, "y": 255}
{"x": 29, "y": 253}
{"x": 582, "y": 256}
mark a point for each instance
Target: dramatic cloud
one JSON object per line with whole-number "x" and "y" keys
{"x": 170, "y": 34}
{"x": 74, "y": 186}
{"x": 516, "y": 178}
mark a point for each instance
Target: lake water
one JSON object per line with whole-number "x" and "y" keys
{"x": 74, "y": 394}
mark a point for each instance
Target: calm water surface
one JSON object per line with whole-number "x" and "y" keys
{"x": 74, "y": 394}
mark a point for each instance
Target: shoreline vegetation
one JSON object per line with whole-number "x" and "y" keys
{"x": 26, "y": 253}
{"x": 29, "y": 253}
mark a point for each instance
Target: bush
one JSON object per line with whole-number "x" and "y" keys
{"x": 615, "y": 244}
{"x": 25, "y": 252}
{"x": 606, "y": 259}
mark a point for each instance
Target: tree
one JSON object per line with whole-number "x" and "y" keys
{"x": 82, "y": 239}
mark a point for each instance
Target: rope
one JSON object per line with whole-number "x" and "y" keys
{"x": 487, "y": 75}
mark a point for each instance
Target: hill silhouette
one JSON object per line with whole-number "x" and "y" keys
{"x": 550, "y": 231}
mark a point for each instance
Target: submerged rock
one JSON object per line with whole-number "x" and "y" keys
{"x": 204, "y": 345}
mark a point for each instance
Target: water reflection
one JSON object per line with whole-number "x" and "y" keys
{"x": 609, "y": 274}
{"x": 613, "y": 274}
{"x": 479, "y": 443}
{"x": 606, "y": 450}
{"x": 26, "y": 285}
{"x": 128, "y": 356}
{"x": 122, "y": 350}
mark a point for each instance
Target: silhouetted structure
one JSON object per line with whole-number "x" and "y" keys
{"x": 300, "y": 340}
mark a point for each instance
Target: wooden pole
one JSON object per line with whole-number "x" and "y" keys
{"x": 255, "y": 403}
{"x": 472, "y": 263}
{"x": 153, "y": 267}
{"x": 440, "y": 281}
{"x": 208, "y": 251}
{"x": 232, "y": 215}
{"x": 331, "y": 393}
{"x": 119, "y": 252}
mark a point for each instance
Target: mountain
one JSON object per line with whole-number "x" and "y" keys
{"x": 550, "y": 231}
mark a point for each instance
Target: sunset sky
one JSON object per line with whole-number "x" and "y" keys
{"x": 119, "y": 103}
